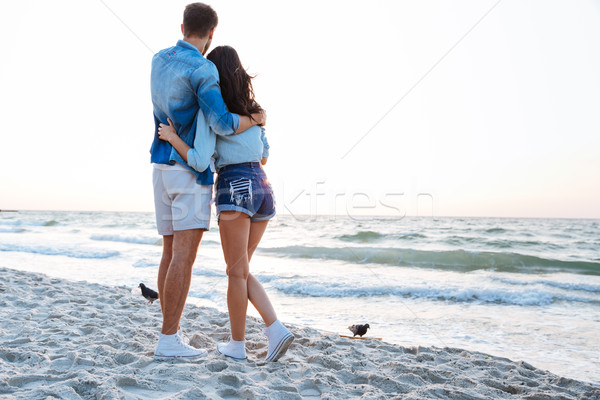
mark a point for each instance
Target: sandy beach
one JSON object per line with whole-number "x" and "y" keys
{"x": 72, "y": 340}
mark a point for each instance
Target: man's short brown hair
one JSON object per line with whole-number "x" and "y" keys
{"x": 199, "y": 19}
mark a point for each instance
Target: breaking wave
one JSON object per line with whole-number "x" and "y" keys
{"x": 460, "y": 260}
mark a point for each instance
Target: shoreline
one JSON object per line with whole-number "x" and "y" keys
{"x": 79, "y": 340}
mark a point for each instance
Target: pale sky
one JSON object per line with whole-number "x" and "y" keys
{"x": 505, "y": 124}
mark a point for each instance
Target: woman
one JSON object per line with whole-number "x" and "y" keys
{"x": 245, "y": 204}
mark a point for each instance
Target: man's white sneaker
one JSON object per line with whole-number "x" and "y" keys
{"x": 172, "y": 346}
{"x": 235, "y": 349}
{"x": 280, "y": 339}
{"x": 184, "y": 338}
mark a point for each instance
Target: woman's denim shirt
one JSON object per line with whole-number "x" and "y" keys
{"x": 185, "y": 88}
{"x": 248, "y": 146}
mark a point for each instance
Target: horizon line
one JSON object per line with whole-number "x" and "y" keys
{"x": 316, "y": 215}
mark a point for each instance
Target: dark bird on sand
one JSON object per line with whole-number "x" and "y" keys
{"x": 359, "y": 330}
{"x": 148, "y": 293}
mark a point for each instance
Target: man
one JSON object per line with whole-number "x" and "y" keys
{"x": 185, "y": 89}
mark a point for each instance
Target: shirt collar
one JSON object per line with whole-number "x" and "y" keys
{"x": 187, "y": 45}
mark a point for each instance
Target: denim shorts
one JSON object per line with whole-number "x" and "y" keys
{"x": 245, "y": 188}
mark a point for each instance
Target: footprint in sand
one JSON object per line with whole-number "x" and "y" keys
{"x": 7, "y": 356}
{"x": 216, "y": 366}
{"x": 230, "y": 380}
{"x": 126, "y": 358}
{"x": 309, "y": 388}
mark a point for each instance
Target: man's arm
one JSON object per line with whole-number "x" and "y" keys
{"x": 247, "y": 122}
{"x": 206, "y": 81}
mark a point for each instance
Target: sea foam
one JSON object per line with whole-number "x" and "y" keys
{"x": 128, "y": 239}
{"x": 498, "y": 295}
{"x": 59, "y": 251}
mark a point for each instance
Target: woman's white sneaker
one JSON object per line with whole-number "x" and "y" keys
{"x": 235, "y": 349}
{"x": 172, "y": 346}
{"x": 280, "y": 339}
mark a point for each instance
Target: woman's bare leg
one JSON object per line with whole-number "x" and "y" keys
{"x": 234, "y": 228}
{"x": 256, "y": 292}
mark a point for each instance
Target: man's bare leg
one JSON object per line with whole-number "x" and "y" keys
{"x": 178, "y": 278}
{"x": 165, "y": 261}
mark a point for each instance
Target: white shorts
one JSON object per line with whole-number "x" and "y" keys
{"x": 180, "y": 202}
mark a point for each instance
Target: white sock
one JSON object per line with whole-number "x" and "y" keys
{"x": 275, "y": 329}
{"x": 167, "y": 337}
{"x": 235, "y": 348}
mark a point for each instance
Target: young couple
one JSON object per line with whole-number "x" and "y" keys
{"x": 205, "y": 107}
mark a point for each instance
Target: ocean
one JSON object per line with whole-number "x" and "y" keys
{"x": 526, "y": 289}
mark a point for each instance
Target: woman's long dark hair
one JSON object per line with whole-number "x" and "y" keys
{"x": 236, "y": 84}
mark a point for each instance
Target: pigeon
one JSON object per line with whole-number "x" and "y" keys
{"x": 148, "y": 293}
{"x": 359, "y": 330}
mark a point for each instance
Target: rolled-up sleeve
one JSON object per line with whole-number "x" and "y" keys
{"x": 205, "y": 80}
{"x": 266, "y": 146}
{"x": 198, "y": 157}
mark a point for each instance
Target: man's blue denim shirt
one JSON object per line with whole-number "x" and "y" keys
{"x": 185, "y": 88}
